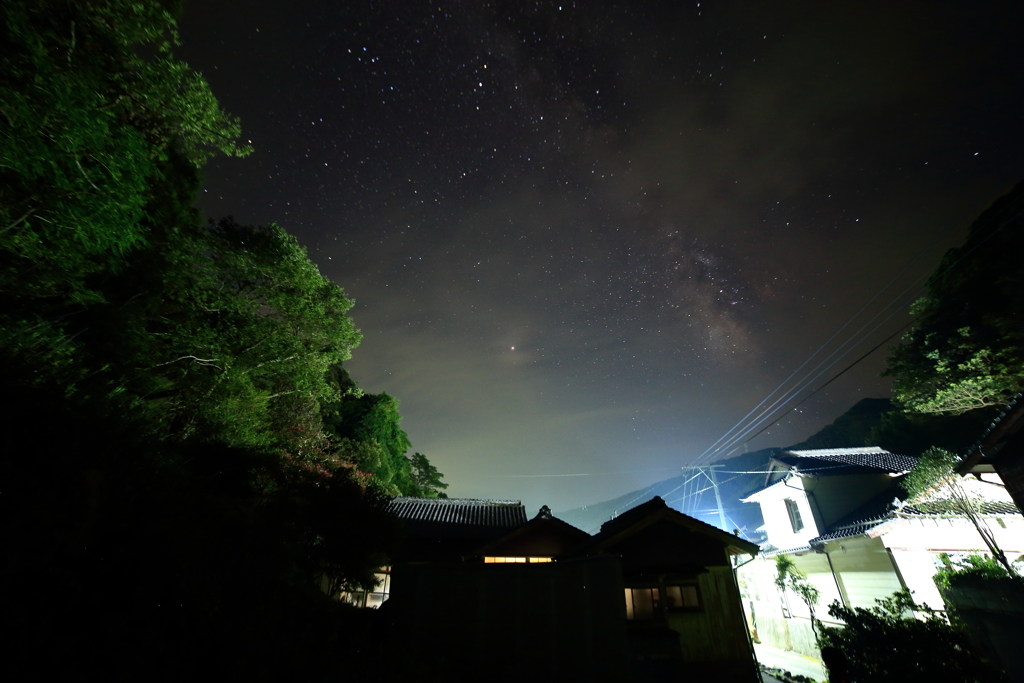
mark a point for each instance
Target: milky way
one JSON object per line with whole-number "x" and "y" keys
{"x": 664, "y": 208}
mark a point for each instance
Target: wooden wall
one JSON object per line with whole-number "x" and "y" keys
{"x": 510, "y": 622}
{"x": 718, "y": 633}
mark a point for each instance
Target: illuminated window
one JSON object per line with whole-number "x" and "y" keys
{"x": 371, "y": 599}
{"x": 648, "y": 603}
{"x": 642, "y": 603}
{"x": 795, "y": 519}
{"x": 517, "y": 560}
{"x": 683, "y": 597}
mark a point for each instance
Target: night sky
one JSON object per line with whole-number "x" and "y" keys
{"x": 588, "y": 238}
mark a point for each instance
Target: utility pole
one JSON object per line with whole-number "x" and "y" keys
{"x": 704, "y": 469}
{"x": 718, "y": 499}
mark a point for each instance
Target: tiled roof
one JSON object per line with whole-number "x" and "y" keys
{"x": 460, "y": 511}
{"x": 945, "y": 507}
{"x": 769, "y": 551}
{"x": 889, "y": 505}
{"x": 856, "y": 529}
{"x": 869, "y": 457}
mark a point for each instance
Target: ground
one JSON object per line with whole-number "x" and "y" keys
{"x": 789, "y": 661}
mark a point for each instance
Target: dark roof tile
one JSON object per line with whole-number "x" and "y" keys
{"x": 866, "y": 457}
{"x": 460, "y": 511}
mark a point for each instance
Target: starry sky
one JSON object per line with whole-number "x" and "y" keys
{"x": 586, "y": 238}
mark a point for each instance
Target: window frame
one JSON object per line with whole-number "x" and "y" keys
{"x": 796, "y": 520}
{"x": 660, "y": 608}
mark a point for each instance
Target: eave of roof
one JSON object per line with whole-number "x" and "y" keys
{"x": 832, "y": 461}
{"x": 1002, "y": 429}
{"x": 529, "y": 527}
{"x": 768, "y": 551}
{"x": 752, "y": 497}
{"x": 940, "y": 509}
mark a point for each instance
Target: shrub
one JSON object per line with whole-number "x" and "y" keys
{"x": 902, "y": 642}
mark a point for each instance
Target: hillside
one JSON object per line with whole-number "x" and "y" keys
{"x": 738, "y": 476}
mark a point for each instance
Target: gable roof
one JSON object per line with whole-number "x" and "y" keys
{"x": 829, "y": 461}
{"x": 650, "y": 512}
{"x": 544, "y": 522}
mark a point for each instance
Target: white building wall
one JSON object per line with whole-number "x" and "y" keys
{"x": 953, "y": 534}
{"x": 917, "y": 567}
{"x": 916, "y": 543}
{"x": 776, "y": 517}
{"x": 865, "y": 570}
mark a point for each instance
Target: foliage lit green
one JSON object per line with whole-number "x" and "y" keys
{"x": 898, "y": 641}
{"x": 966, "y": 350}
{"x": 935, "y": 477}
{"x": 958, "y": 571}
{"x": 179, "y": 500}
{"x": 789, "y": 577}
{"x": 94, "y": 105}
{"x": 366, "y": 427}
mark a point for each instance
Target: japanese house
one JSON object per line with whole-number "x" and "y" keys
{"x": 841, "y": 515}
{"x": 652, "y": 594}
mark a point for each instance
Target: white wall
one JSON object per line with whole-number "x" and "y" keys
{"x": 767, "y": 608}
{"x": 865, "y": 570}
{"x": 916, "y": 543}
{"x": 776, "y": 517}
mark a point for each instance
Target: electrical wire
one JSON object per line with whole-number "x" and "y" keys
{"x": 716, "y": 449}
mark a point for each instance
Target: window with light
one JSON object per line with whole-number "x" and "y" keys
{"x": 371, "y": 599}
{"x": 650, "y": 602}
{"x": 516, "y": 560}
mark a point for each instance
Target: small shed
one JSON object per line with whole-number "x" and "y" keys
{"x": 684, "y": 615}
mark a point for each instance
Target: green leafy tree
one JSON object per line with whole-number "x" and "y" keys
{"x": 966, "y": 351}
{"x": 889, "y": 644}
{"x": 367, "y": 430}
{"x": 954, "y": 572}
{"x": 190, "y": 507}
{"x": 935, "y": 477}
{"x": 93, "y": 104}
{"x": 788, "y": 577}
{"x": 245, "y": 333}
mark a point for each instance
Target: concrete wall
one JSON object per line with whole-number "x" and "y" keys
{"x": 782, "y": 620}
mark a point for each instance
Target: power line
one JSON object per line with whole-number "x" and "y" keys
{"x": 822, "y": 347}
{"x": 714, "y": 452}
{"x": 834, "y": 378}
{"x": 575, "y": 474}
